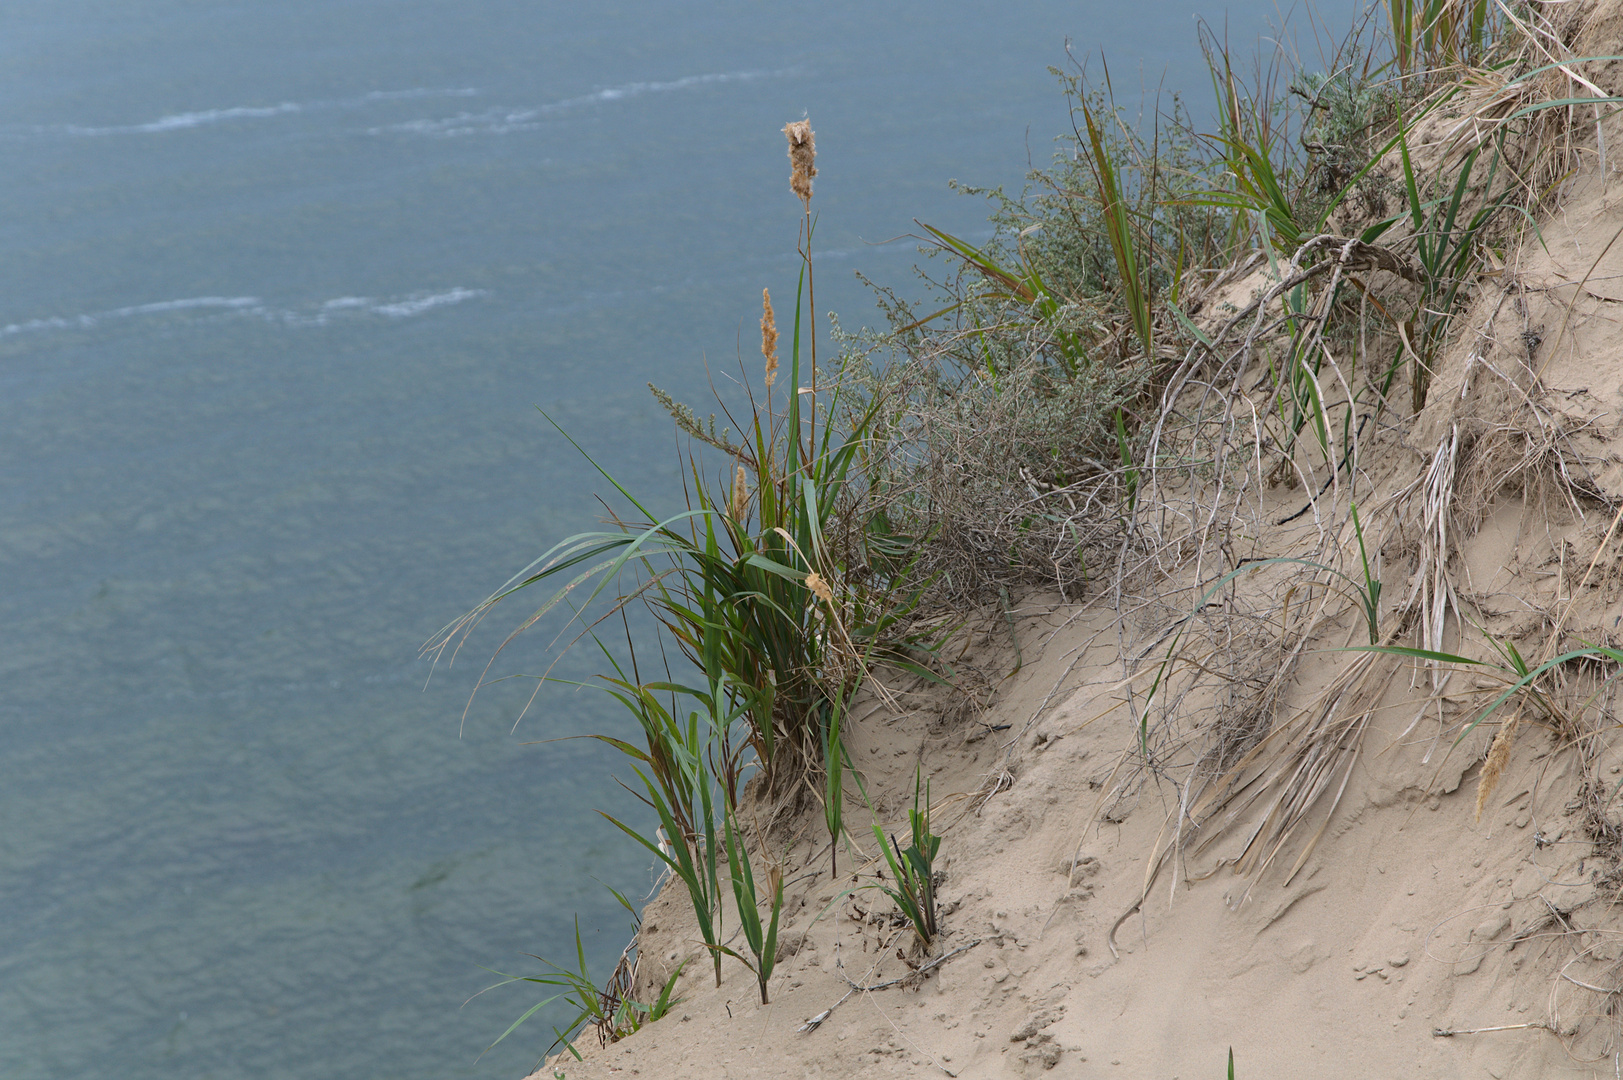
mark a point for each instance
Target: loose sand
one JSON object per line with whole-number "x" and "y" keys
{"x": 1410, "y": 917}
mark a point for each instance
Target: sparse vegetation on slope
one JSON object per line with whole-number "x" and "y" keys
{"x": 1248, "y": 381}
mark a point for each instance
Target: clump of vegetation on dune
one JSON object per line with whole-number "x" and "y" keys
{"x": 1184, "y": 334}
{"x": 1195, "y": 326}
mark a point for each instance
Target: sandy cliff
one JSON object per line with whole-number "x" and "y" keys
{"x": 1101, "y": 921}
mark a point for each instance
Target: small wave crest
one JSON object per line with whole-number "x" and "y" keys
{"x": 419, "y": 92}
{"x": 86, "y": 322}
{"x": 400, "y": 307}
{"x": 206, "y": 117}
{"x": 405, "y": 309}
{"x": 498, "y": 121}
{"x": 180, "y": 121}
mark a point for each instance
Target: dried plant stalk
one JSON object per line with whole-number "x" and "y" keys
{"x": 1498, "y": 758}
{"x": 769, "y": 338}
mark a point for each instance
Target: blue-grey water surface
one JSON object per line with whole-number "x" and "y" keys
{"x": 281, "y": 285}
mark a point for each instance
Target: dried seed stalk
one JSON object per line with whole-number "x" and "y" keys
{"x": 769, "y": 338}
{"x": 802, "y": 159}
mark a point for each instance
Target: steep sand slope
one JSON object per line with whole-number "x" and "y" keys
{"x": 1411, "y": 918}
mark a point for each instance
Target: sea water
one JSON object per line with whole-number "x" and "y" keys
{"x": 282, "y": 286}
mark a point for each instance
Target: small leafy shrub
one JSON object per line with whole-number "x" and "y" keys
{"x": 1346, "y": 107}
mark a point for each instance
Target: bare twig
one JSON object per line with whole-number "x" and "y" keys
{"x": 911, "y": 975}
{"x": 1449, "y": 1033}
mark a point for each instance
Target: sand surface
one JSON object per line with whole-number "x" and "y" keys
{"x": 1411, "y": 917}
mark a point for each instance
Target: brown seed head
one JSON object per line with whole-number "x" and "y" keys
{"x": 769, "y": 338}
{"x": 803, "y": 159}
{"x": 816, "y": 584}
{"x": 738, "y": 506}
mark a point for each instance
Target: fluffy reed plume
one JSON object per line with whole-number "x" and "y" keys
{"x": 803, "y": 158}
{"x": 816, "y": 584}
{"x": 739, "y": 504}
{"x": 1498, "y": 758}
{"x": 769, "y": 338}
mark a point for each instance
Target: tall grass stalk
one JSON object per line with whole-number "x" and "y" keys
{"x": 762, "y": 942}
{"x": 1431, "y": 36}
{"x": 734, "y": 578}
{"x": 1447, "y": 234}
{"x": 1137, "y": 294}
{"x": 681, "y": 786}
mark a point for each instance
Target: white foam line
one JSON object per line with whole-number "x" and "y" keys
{"x": 202, "y": 117}
{"x": 85, "y": 322}
{"x": 182, "y": 305}
{"x": 180, "y": 121}
{"x": 616, "y": 93}
{"x": 405, "y": 309}
{"x": 419, "y": 92}
{"x": 503, "y": 121}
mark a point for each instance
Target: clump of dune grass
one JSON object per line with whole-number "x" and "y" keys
{"x": 609, "y": 1011}
{"x": 768, "y": 582}
{"x": 775, "y": 589}
{"x": 913, "y": 868}
{"x": 1024, "y": 413}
